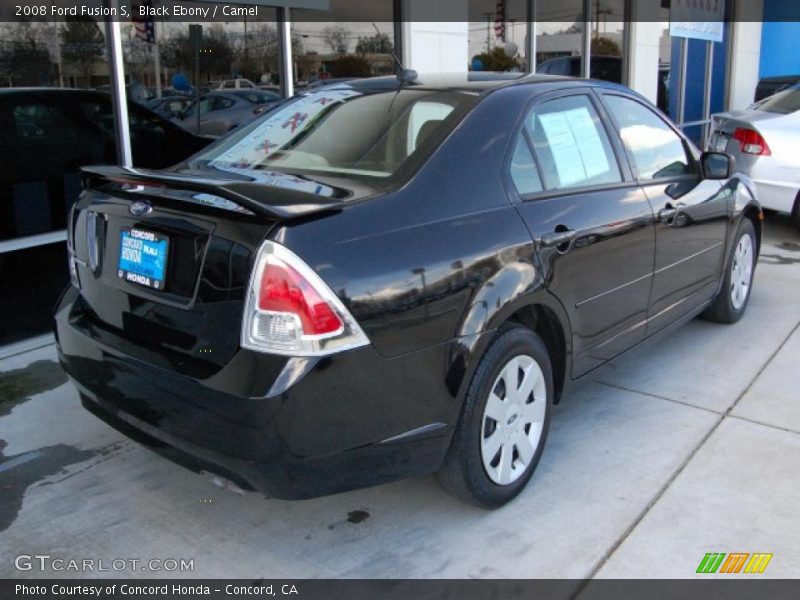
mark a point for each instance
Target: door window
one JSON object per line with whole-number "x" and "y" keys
{"x": 524, "y": 172}
{"x": 221, "y": 103}
{"x": 657, "y": 151}
{"x": 571, "y": 144}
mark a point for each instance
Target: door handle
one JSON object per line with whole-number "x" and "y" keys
{"x": 557, "y": 238}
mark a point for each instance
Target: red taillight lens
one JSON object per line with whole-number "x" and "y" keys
{"x": 283, "y": 290}
{"x": 751, "y": 142}
{"x": 291, "y": 311}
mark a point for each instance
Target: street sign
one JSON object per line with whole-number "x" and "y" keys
{"x": 697, "y": 19}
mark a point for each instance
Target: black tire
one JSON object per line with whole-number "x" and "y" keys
{"x": 723, "y": 309}
{"x": 796, "y": 212}
{"x": 463, "y": 473}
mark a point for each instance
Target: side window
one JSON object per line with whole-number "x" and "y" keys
{"x": 221, "y": 103}
{"x": 423, "y": 119}
{"x": 523, "y": 169}
{"x": 571, "y": 144}
{"x": 656, "y": 149}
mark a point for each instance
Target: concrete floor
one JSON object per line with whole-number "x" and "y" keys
{"x": 692, "y": 446}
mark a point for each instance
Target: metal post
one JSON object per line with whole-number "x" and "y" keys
{"x": 531, "y": 40}
{"x": 707, "y": 91}
{"x": 157, "y": 61}
{"x": 587, "y": 40}
{"x": 684, "y": 56}
{"x": 285, "y": 52}
{"x": 119, "y": 101}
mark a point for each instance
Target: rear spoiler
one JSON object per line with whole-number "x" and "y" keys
{"x": 280, "y": 203}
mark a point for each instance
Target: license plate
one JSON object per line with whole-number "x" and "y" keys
{"x": 143, "y": 257}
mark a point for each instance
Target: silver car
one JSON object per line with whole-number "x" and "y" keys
{"x": 222, "y": 111}
{"x": 765, "y": 140}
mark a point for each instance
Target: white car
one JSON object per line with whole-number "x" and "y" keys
{"x": 765, "y": 141}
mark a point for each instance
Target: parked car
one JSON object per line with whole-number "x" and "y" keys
{"x": 381, "y": 280}
{"x": 221, "y": 112}
{"x": 764, "y": 139}
{"x": 232, "y": 84}
{"x": 169, "y": 107}
{"x": 607, "y": 68}
{"x": 771, "y": 85}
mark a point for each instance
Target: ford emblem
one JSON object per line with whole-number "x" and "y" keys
{"x": 140, "y": 209}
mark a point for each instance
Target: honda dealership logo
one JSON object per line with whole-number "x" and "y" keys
{"x": 735, "y": 562}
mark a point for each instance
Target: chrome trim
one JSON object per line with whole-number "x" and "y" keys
{"x": 411, "y": 433}
{"x": 32, "y": 241}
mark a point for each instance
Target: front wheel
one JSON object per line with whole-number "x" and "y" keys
{"x": 504, "y": 424}
{"x": 732, "y": 300}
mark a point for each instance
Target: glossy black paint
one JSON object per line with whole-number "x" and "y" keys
{"x": 429, "y": 268}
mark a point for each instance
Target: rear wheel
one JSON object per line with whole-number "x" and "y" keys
{"x": 504, "y": 425}
{"x": 732, "y": 300}
{"x": 796, "y": 212}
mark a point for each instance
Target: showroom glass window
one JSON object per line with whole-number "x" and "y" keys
{"x": 496, "y": 35}
{"x": 345, "y": 45}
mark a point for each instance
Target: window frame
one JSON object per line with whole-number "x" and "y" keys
{"x": 627, "y": 179}
{"x": 691, "y": 151}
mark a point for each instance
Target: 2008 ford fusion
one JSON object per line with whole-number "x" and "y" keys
{"x": 395, "y": 277}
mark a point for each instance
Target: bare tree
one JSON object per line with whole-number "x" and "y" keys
{"x": 336, "y": 37}
{"x": 24, "y": 55}
{"x": 82, "y": 45}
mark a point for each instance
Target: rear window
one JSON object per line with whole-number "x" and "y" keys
{"x": 784, "y": 102}
{"x": 343, "y": 131}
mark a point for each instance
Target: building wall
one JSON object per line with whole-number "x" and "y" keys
{"x": 431, "y": 46}
{"x": 779, "y": 54}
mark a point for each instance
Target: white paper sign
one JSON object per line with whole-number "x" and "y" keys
{"x": 697, "y": 19}
{"x": 575, "y": 144}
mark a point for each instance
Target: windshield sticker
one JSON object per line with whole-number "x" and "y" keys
{"x": 279, "y": 129}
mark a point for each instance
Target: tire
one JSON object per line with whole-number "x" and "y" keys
{"x": 730, "y": 304}
{"x": 522, "y": 422}
{"x": 796, "y": 212}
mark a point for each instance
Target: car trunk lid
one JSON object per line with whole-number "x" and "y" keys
{"x": 163, "y": 259}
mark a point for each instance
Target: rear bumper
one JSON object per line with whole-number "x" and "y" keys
{"x": 328, "y": 432}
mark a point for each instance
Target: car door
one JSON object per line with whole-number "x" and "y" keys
{"x": 592, "y": 225}
{"x": 691, "y": 212}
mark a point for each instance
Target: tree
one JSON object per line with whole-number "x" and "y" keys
{"x": 380, "y": 43}
{"x": 24, "y": 56}
{"x": 350, "y": 65}
{"x": 82, "y": 45}
{"x": 216, "y": 54}
{"x": 603, "y": 46}
{"x": 497, "y": 60}
{"x": 336, "y": 38}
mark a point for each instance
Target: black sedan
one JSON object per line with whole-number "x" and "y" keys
{"x": 383, "y": 280}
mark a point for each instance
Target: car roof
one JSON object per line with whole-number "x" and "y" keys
{"x": 473, "y": 81}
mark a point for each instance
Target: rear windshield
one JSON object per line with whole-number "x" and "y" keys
{"x": 342, "y": 131}
{"x": 784, "y": 102}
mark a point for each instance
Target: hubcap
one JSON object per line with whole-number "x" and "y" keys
{"x": 513, "y": 420}
{"x": 741, "y": 271}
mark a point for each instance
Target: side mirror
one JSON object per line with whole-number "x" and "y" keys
{"x": 716, "y": 165}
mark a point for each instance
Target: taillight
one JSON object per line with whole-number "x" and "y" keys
{"x": 751, "y": 142}
{"x": 291, "y": 311}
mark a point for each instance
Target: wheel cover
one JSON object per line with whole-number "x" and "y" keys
{"x": 513, "y": 420}
{"x": 741, "y": 271}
